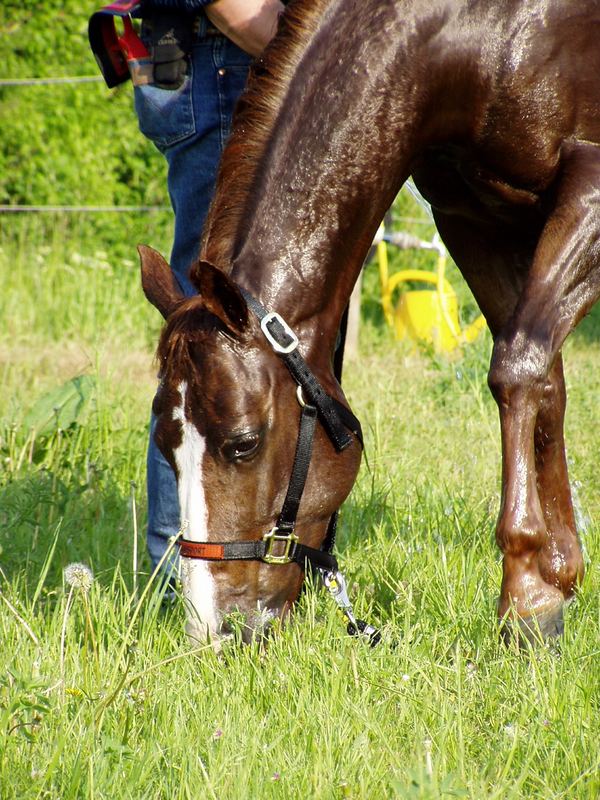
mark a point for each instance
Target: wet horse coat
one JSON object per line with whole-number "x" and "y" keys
{"x": 494, "y": 109}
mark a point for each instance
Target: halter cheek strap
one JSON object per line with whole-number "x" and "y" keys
{"x": 338, "y": 421}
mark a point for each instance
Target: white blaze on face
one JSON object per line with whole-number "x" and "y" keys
{"x": 198, "y": 583}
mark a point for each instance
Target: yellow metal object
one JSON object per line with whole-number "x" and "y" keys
{"x": 429, "y": 315}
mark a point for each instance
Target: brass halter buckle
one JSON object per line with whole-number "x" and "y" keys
{"x": 271, "y": 539}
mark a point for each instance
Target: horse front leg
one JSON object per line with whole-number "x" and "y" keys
{"x": 536, "y": 529}
{"x": 560, "y": 559}
{"x": 536, "y": 526}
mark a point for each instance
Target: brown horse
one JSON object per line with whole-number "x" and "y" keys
{"x": 494, "y": 108}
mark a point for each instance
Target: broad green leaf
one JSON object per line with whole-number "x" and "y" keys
{"x": 62, "y": 407}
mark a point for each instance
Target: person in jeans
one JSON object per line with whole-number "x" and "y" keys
{"x": 189, "y": 123}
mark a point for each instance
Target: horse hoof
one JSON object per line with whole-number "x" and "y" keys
{"x": 535, "y": 629}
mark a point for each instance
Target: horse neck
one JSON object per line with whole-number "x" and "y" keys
{"x": 338, "y": 152}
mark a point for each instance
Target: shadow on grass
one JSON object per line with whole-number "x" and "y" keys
{"x": 91, "y": 520}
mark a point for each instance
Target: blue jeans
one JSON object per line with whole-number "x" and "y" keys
{"x": 189, "y": 126}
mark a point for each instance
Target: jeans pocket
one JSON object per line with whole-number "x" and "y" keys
{"x": 165, "y": 116}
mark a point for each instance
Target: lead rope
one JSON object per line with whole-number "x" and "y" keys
{"x": 335, "y": 583}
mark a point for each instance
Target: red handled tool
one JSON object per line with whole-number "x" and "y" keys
{"x": 119, "y": 56}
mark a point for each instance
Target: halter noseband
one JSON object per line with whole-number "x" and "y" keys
{"x": 280, "y": 545}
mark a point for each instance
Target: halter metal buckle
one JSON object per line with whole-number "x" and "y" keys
{"x": 273, "y": 316}
{"x": 271, "y": 538}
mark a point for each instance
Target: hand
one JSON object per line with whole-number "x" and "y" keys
{"x": 251, "y": 24}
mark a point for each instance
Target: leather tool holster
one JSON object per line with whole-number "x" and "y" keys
{"x": 169, "y": 37}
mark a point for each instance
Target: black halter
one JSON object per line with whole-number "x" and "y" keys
{"x": 280, "y": 545}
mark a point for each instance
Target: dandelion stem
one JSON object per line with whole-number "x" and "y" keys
{"x": 428, "y": 759}
{"x": 90, "y": 631}
{"x": 63, "y": 634}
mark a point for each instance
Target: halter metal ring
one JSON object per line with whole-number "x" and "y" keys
{"x": 273, "y": 316}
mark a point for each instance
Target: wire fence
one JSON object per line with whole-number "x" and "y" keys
{"x": 57, "y": 209}
{"x": 8, "y": 209}
{"x": 50, "y": 81}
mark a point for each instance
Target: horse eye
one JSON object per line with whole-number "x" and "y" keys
{"x": 242, "y": 448}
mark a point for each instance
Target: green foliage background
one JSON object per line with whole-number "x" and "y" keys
{"x": 74, "y": 143}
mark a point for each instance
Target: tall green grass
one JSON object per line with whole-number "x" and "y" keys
{"x": 100, "y": 694}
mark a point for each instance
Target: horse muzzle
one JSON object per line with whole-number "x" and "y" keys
{"x": 237, "y": 626}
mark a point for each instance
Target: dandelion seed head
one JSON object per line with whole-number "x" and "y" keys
{"x": 263, "y": 617}
{"x": 471, "y": 669}
{"x": 79, "y": 576}
{"x": 134, "y": 697}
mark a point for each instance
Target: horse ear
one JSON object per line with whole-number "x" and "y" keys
{"x": 158, "y": 281}
{"x": 220, "y": 296}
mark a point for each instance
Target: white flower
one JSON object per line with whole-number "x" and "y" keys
{"x": 471, "y": 669}
{"x": 79, "y": 576}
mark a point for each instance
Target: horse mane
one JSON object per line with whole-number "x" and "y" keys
{"x": 253, "y": 122}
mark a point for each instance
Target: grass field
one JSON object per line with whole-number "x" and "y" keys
{"x": 100, "y": 695}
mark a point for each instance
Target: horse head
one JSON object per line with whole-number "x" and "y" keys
{"x": 230, "y": 422}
